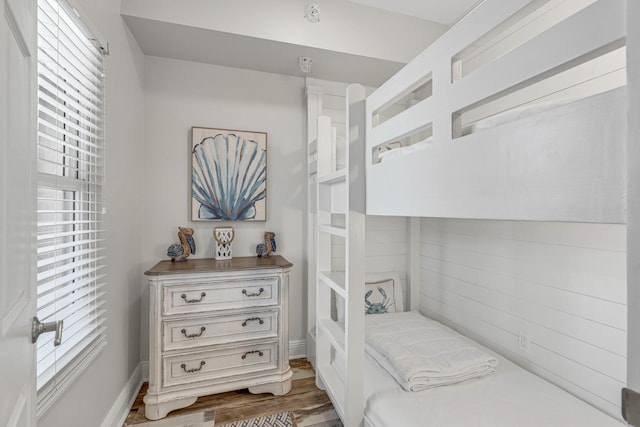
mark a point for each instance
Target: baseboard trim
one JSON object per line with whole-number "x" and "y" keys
{"x": 120, "y": 408}
{"x": 297, "y": 349}
{"x": 311, "y": 347}
{"x": 145, "y": 370}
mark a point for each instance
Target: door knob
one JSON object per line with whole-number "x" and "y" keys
{"x": 37, "y": 328}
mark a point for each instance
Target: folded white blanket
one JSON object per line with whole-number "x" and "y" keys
{"x": 421, "y": 353}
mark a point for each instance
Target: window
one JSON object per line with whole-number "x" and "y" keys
{"x": 70, "y": 165}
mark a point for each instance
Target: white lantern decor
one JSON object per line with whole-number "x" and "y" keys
{"x": 223, "y": 236}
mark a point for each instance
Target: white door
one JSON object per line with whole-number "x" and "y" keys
{"x": 17, "y": 204}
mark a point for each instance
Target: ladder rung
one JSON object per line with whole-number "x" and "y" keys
{"x": 335, "y": 231}
{"x": 334, "y": 334}
{"x": 335, "y": 280}
{"x": 312, "y": 147}
{"x": 312, "y": 167}
{"x": 333, "y": 177}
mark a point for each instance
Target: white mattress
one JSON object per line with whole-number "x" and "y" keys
{"x": 511, "y": 397}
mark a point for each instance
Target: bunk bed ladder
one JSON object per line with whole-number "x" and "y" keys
{"x": 340, "y": 258}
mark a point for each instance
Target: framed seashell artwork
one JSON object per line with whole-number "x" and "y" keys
{"x": 228, "y": 175}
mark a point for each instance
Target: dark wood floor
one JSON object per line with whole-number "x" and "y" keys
{"x": 305, "y": 401}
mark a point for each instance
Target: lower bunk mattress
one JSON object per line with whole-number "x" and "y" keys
{"x": 510, "y": 397}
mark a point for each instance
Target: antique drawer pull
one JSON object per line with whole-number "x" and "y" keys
{"x": 251, "y": 320}
{"x": 244, "y": 291}
{"x": 244, "y": 356}
{"x": 190, "y": 371}
{"x": 196, "y": 335}
{"x": 191, "y": 301}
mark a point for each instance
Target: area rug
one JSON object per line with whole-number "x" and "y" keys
{"x": 282, "y": 419}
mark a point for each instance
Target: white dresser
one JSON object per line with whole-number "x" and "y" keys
{"x": 216, "y": 326}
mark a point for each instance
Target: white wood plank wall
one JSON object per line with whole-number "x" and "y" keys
{"x": 387, "y": 248}
{"x": 559, "y": 286}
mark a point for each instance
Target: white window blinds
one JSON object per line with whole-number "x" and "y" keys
{"x": 70, "y": 168}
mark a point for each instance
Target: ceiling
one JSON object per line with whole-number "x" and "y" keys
{"x": 444, "y": 12}
{"x": 363, "y": 41}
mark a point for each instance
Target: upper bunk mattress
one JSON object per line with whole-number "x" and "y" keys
{"x": 510, "y": 397}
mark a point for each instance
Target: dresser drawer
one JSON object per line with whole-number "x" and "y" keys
{"x": 210, "y": 330}
{"x": 216, "y": 366}
{"x": 212, "y": 295}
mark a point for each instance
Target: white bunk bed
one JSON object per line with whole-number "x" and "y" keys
{"x": 518, "y": 113}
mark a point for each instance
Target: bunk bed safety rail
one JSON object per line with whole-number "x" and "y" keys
{"x": 500, "y": 58}
{"x": 558, "y": 48}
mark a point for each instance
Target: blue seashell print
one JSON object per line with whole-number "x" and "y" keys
{"x": 229, "y": 176}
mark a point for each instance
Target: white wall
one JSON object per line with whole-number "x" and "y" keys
{"x": 90, "y": 398}
{"x": 562, "y": 285}
{"x": 179, "y": 95}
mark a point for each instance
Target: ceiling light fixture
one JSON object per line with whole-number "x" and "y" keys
{"x": 312, "y": 13}
{"x": 305, "y": 64}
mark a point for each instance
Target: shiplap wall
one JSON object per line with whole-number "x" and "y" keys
{"x": 387, "y": 248}
{"x": 562, "y": 285}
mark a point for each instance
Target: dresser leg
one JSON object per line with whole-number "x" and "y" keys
{"x": 157, "y": 410}
{"x": 277, "y": 389}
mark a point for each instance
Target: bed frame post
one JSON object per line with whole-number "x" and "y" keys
{"x": 633, "y": 214}
{"x": 354, "y": 315}
{"x": 414, "y": 281}
{"x": 314, "y": 109}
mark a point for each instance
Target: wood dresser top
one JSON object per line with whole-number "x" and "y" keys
{"x": 204, "y": 265}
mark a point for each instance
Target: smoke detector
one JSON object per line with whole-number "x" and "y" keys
{"x": 312, "y": 13}
{"x": 305, "y": 64}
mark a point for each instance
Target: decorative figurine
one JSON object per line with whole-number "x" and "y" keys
{"x": 265, "y": 249}
{"x": 224, "y": 236}
{"x": 187, "y": 246}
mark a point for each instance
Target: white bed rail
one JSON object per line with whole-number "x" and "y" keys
{"x": 579, "y": 174}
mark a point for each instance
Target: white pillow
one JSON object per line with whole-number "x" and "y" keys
{"x": 390, "y": 282}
